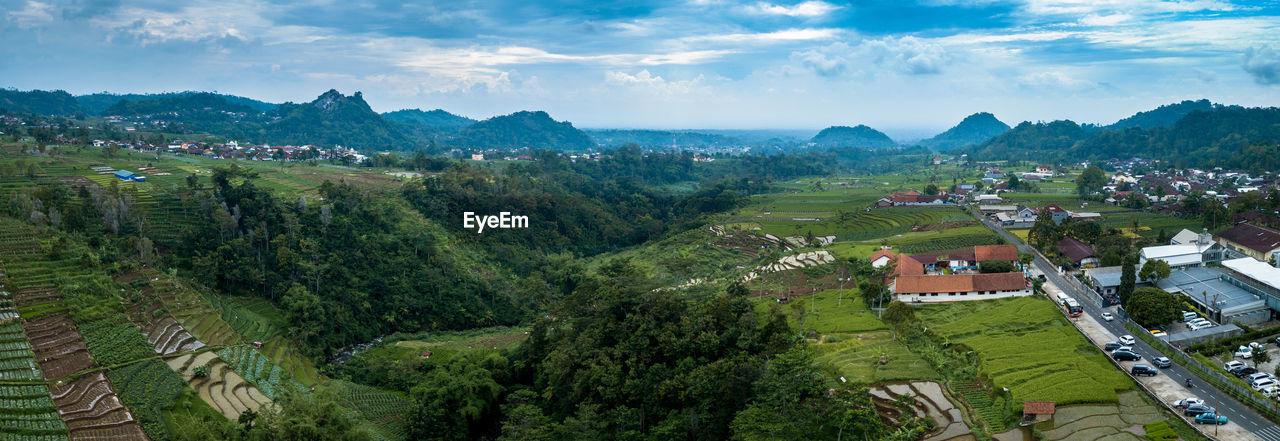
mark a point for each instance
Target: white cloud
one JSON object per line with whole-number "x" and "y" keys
{"x": 1054, "y": 79}
{"x": 34, "y": 14}
{"x": 653, "y": 83}
{"x": 1140, "y": 7}
{"x": 786, "y": 35}
{"x": 806, "y": 9}
{"x": 1105, "y": 20}
{"x": 240, "y": 20}
{"x": 908, "y": 55}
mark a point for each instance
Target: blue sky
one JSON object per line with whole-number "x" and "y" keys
{"x": 908, "y": 67}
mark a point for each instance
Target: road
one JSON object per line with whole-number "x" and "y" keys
{"x": 1234, "y": 410}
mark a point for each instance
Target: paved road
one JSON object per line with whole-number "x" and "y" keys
{"x": 1226, "y": 405}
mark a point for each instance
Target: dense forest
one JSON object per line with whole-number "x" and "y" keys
{"x": 859, "y": 136}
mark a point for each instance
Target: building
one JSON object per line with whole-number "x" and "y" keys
{"x": 1080, "y": 253}
{"x": 1034, "y": 412}
{"x": 1219, "y": 294}
{"x": 1255, "y": 277}
{"x": 477, "y": 156}
{"x": 124, "y": 175}
{"x": 984, "y": 253}
{"x": 1024, "y": 217}
{"x": 957, "y": 287}
{"x": 988, "y": 198}
{"x": 989, "y": 209}
{"x": 1251, "y": 240}
{"x": 1057, "y": 214}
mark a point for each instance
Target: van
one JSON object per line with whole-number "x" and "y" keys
{"x": 1062, "y": 298}
{"x": 1142, "y": 369}
{"x": 1188, "y": 316}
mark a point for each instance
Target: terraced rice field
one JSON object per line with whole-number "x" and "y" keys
{"x": 17, "y": 238}
{"x": 58, "y": 346}
{"x": 252, "y": 318}
{"x": 92, "y": 411}
{"x": 258, "y": 370}
{"x": 280, "y": 351}
{"x": 385, "y": 411}
{"x": 194, "y": 313}
{"x": 148, "y": 388}
{"x": 162, "y": 330}
{"x": 223, "y": 388}
{"x": 27, "y": 414}
{"x": 17, "y": 363}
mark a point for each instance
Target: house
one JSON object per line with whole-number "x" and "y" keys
{"x": 1024, "y": 217}
{"x": 477, "y": 156}
{"x": 1057, "y": 214}
{"x": 1080, "y": 253}
{"x": 956, "y": 287}
{"x": 1044, "y": 169}
{"x": 1035, "y": 412}
{"x": 984, "y": 253}
{"x": 1251, "y": 240}
{"x": 124, "y": 175}
{"x": 989, "y": 199}
{"x": 903, "y": 265}
{"x": 1194, "y": 253}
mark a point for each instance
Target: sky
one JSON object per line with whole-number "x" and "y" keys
{"x": 908, "y": 67}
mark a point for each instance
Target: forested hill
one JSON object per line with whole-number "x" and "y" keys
{"x": 974, "y": 129}
{"x": 858, "y": 136}
{"x": 181, "y": 104}
{"x": 42, "y": 102}
{"x": 1165, "y": 115}
{"x": 334, "y": 119}
{"x": 1226, "y": 136}
{"x": 437, "y": 119}
{"x": 525, "y": 129}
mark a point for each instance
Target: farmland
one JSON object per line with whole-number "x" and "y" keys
{"x": 382, "y": 411}
{"x": 220, "y": 387}
{"x": 1026, "y": 345}
{"x": 258, "y": 370}
{"x": 148, "y": 388}
{"x": 91, "y": 410}
{"x": 27, "y": 413}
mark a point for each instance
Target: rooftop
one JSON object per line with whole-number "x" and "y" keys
{"x": 984, "y": 253}
{"x": 1107, "y": 275}
{"x": 961, "y": 283}
{"x": 1260, "y": 239}
{"x": 1206, "y": 286}
{"x": 1074, "y": 249}
{"x": 1255, "y": 270}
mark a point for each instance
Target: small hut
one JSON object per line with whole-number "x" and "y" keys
{"x": 1034, "y": 412}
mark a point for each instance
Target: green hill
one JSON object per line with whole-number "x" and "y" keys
{"x": 334, "y": 119}
{"x": 43, "y": 102}
{"x": 973, "y": 129}
{"x": 845, "y": 136}
{"x": 1163, "y": 116}
{"x": 660, "y": 138}
{"x": 524, "y": 129}
{"x": 178, "y": 104}
{"x": 97, "y": 103}
{"x": 434, "y": 119}
{"x": 1031, "y": 141}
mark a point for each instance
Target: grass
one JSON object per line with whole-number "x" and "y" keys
{"x": 1026, "y": 345}
{"x": 383, "y": 412}
{"x": 827, "y": 312}
{"x": 856, "y": 357}
{"x": 148, "y": 388}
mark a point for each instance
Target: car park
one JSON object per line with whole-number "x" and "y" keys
{"x": 1139, "y": 370}
{"x": 1127, "y": 340}
{"x": 1126, "y": 355}
{"x": 1197, "y": 409}
{"x": 1111, "y": 346}
{"x": 1107, "y": 316}
{"x": 1162, "y": 362}
{"x": 1183, "y": 403}
{"x": 1211, "y": 418}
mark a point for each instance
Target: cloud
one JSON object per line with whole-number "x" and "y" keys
{"x": 1054, "y": 80}
{"x": 652, "y": 83}
{"x": 1105, "y": 20}
{"x": 34, "y": 14}
{"x": 808, "y": 9}
{"x": 1263, "y": 64}
{"x": 828, "y": 61}
{"x": 909, "y": 55}
{"x": 803, "y": 34}
{"x": 1144, "y": 7}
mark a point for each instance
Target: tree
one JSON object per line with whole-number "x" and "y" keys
{"x": 1014, "y": 182}
{"x": 874, "y": 292}
{"x": 1026, "y": 258}
{"x": 931, "y": 189}
{"x": 1128, "y": 279}
{"x": 899, "y": 313}
{"x": 1154, "y": 270}
{"x": 995, "y": 266}
{"x": 1213, "y": 214}
{"x": 1261, "y": 356}
{"x": 1091, "y": 181}
{"x": 1152, "y": 307}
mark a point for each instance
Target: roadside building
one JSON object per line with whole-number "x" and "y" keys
{"x": 958, "y": 287}
{"x": 1080, "y": 253}
{"x": 1216, "y": 293}
{"x": 1251, "y": 240}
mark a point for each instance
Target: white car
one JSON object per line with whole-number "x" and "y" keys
{"x": 1263, "y": 384}
{"x": 1255, "y": 345}
{"x": 1257, "y": 376}
{"x": 1244, "y": 352}
{"x": 1189, "y": 401}
{"x": 1231, "y": 365}
{"x": 1107, "y": 316}
{"x": 1127, "y": 340}
{"x": 1270, "y": 391}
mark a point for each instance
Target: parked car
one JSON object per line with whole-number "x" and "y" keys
{"x": 1201, "y": 322}
{"x": 1127, "y": 340}
{"x": 1244, "y": 352}
{"x": 1232, "y": 365}
{"x": 1197, "y": 409}
{"x": 1277, "y": 341}
{"x": 1258, "y": 376}
{"x": 1243, "y": 371}
{"x": 1157, "y": 333}
{"x": 1126, "y": 355}
{"x": 1255, "y": 345}
{"x": 1263, "y": 384}
{"x": 1126, "y": 348}
{"x": 1188, "y": 316}
{"x": 1111, "y": 346}
{"x": 1162, "y": 362}
{"x": 1187, "y": 402}
{"x": 1143, "y": 370}
{"x": 1107, "y": 316}
{"x": 1211, "y": 418}
{"x": 1270, "y": 391}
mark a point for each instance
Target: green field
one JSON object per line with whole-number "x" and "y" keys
{"x": 383, "y": 412}
{"x": 1027, "y": 346}
{"x": 258, "y": 370}
{"x": 27, "y": 413}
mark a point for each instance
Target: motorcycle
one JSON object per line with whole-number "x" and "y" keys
{"x": 1188, "y": 383}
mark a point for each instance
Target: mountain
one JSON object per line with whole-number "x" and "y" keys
{"x": 334, "y": 119}
{"x": 660, "y": 138}
{"x": 845, "y": 136}
{"x": 1163, "y": 116}
{"x": 55, "y": 102}
{"x": 973, "y": 129}
{"x": 434, "y": 119}
{"x": 97, "y": 103}
{"x": 178, "y": 104}
{"x": 1031, "y": 141}
{"x": 524, "y": 129}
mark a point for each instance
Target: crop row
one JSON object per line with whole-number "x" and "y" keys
{"x": 113, "y": 340}
{"x": 257, "y": 369}
{"x": 147, "y": 388}
{"x": 27, "y": 413}
{"x": 385, "y": 410}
